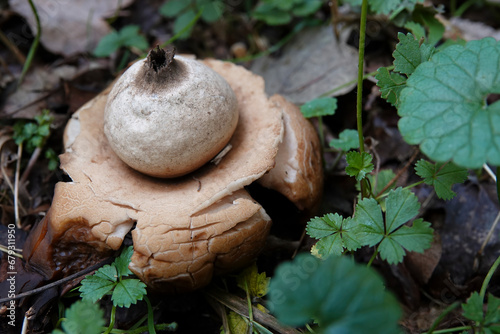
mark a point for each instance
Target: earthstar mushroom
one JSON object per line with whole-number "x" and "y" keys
{"x": 167, "y": 117}
{"x": 184, "y": 229}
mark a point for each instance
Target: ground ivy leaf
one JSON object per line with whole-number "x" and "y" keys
{"x": 127, "y": 292}
{"x": 391, "y": 84}
{"x": 95, "y": 287}
{"x": 401, "y": 206}
{"x": 83, "y": 317}
{"x": 324, "y": 106}
{"x": 256, "y": 283}
{"x": 473, "y": 308}
{"x": 122, "y": 261}
{"x": 348, "y": 140}
{"x": 441, "y": 176}
{"x": 409, "y": 54}
{"x": 359, "y": 164}
{"x": 444, "y": 108}
{"x": 299, "y": 293}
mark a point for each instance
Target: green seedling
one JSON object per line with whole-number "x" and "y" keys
{"x": 278, "y": 12}
{"x": 33, "y": 135}
{"x": 186, "y": 11}
{"x": 127, "y": 37}
{"x": 441, "y": 176}
{"x": 83, "y": 317}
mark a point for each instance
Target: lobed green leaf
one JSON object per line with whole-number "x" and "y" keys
{"x": 351, "y": 300}
{"x": 323, "y": 106}
{"x": 348, "y": 140}
{"x": 83, "y": 317}
{"x": 444, "y": 107}
{"x": 127, "y": 292}
{"x": 441, "y": 176}
{"x": 256, "y": 283}
{"x": 173, "y": 8}
{"x": 358, "y": 164}
{"x": 391, "y": 84}
{"x": 409, "y": 53}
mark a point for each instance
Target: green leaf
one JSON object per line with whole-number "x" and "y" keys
{"x": 127, "y": 292}
{"x": 384, "y": 6}
{"x": 83, "y": 317}
{"x": 492, "y": 316}
{"x": 236, "y": 323}
{"x": 211, "y": 11}
{"x": 183, "y": 21}
{"x": 339, "y": 294}
{"x": 173, "y": 8}
{"x": 391, "y": 84}
{"x": 306, "y": 7}
{"x": 130, "y": 36}
{"x": 416, "y": 29}
{"x": 271, "y": 15}
{"x": 473, "y": 308}
{"x": 409, "y": 54}
{"x": 444, "y": 109}
{"x": 123, "y": 261}
{"x": 426, "y": 15}
{"x": 127, "y": 36}
{"x": 95, "y": 287}
{"x": 383, "y": 178}
{"x": 441, "y": 176}
{"x": 334, "y": 233}
{"x": 348, "y": 140}
{"x": 395, "y": 239}
{"x": 323, "y": 106}
{"x": 359, "y": 164}
{"x": 257, "y": 284}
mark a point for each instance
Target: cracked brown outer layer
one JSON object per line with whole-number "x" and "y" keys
{"x": 186, "y": 228}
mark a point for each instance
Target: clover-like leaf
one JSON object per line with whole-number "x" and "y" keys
{"x": 323, "y": 106}
{"x": 94, "y": 287}
{"x": 339, "y": 294}
{"x": 391, "y": 84}
{"x": 256, "y": 283}
{"x": 127, "y": 36}
{"x": 348, "y": 140}
{"x": 83, "y": 317}
{"x": 393, "y": 238}
{"x": 444, "y": 107}
{"x": 441, "y": 176}
{"x": 358, "y": 164}
{"x": 122, "y": 261}
{"x": 128, "y": 291}
{"x": 473, "y": 308}
{"x": 409, "y": 53}
{"x": 334, "y": 233}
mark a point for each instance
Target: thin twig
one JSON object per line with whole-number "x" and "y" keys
{"x": 59, "y": 282}
{"x": 398, "y": 175}
{"x": 31, "y": 163}
{"x": 16, "y": 185}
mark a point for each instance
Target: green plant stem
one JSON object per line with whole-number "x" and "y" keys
{"x": 405, "y": 188}
{"x": 442, "y": 315}
{"x": 453, "y": 330}
{"x": 111, "y": 320}
{"x": 359, "y": 100}
{"x": 16, "y": 185}
{"x": 151, "y": 323}
{"x": 488, "y": 277}
{"x": 461, "y": 10}
{"x": 320, "y": 132}
{"x": 374, "y": 256}
{"x": 361, "y": 58}
{"x": 34, "y": 45}
{"x": 160, "y": 327}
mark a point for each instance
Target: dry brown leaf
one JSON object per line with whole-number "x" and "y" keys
{"x": 70, "y": 27}
{"x": 313, "y": 63}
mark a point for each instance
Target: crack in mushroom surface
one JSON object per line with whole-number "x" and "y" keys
{"x": 186, "y": 228}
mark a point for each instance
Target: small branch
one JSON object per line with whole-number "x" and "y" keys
{"x": 16, "y": 185}
{"x": 59, "y": 282}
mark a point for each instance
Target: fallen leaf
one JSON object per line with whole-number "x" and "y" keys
{"x": 312, "y": 64}
{"x": 70, "y": 27}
